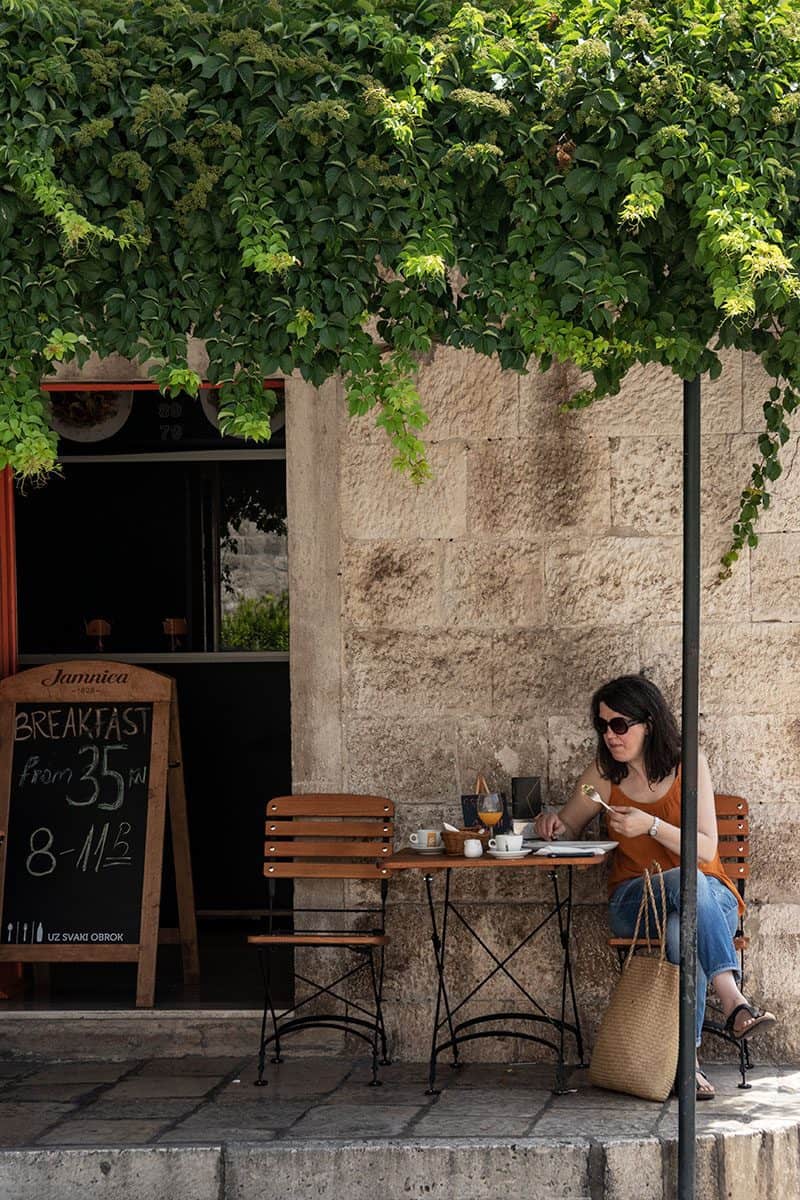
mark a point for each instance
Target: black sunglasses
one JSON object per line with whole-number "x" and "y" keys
{"x": 617, "y": 725}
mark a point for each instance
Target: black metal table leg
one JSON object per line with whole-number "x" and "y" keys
{"x": 439, "y": 950}
{"x": 564, "y": 929}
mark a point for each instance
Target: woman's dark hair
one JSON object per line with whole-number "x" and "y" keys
{"x": 639, "y": 700}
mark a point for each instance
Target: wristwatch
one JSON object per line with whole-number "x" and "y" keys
{"x": 654, "y": 827}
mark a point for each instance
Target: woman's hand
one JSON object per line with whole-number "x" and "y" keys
{"x": 629, "y": 822}
{"x": 548, "y": 825}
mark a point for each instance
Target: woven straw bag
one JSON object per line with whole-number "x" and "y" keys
{"x": 636, "y": 1050}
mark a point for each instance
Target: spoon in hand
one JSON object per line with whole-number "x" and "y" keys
{"x": 592, "y": 794}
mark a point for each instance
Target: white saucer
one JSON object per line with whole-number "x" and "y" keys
{"x": 508, "y": 853}
{"x": 426, "y": 849}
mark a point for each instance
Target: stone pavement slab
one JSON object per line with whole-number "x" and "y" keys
{"x": 165, "y": 1109}
{"x": 193, "y": 1064}
{"x": 353, "y": 1120}
{"x": 101, "y": 1133}
{"x": 24, "y": 1090}
{"x": 152, "y": 1086}
{"x": 77, "y": 1072}
{"x": 22, "y": 1124}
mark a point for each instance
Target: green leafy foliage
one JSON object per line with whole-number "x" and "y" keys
{"x": 336, "y": 185}
{"x": 261, "y": 624}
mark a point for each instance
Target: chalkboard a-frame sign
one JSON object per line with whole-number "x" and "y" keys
{"x": 90, "y": 756}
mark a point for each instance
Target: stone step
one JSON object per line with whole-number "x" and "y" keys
{"x": 112, "y": 1035}
{"x": 760, "y": 1164}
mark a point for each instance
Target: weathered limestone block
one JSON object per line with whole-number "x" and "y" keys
{"x": 651, "y": 399}
{"x": 573, "y": 744}
{"x": 646, "y": 494}
{"x": 774, "y": 836}
{"x": 774, "y": 954}
{"x": 775, "y": 574}
{"x": 379, "y": 502}
{"x": 67, "y": 1173}
{"x": 723, "y": 600}
{"x": 493, "y": 585}
{"x": 721, "y": 398}
{"x": 708, "y": 1172}
{"x": 411, "y": 967}
{"x": 468, "y": 395}
{"x": 726, "y": 465}
{"x": 388, "y": 1168}
{"x": 755, "y": 756}
{"x": 762, "y": 1164}
{"x": 615, "y": 581}
{"x": 541, "y": 395}
{"x": 500, "y": 748}
{"x": 633, "y": 1168}
{"x": 556, "y": 671}
{"x": 743, "y": 668}
{"x": 594, "y": 963}
{"x": 392, "y": 585}
{"x": 422, "y": 673}
{"x": 412, "y": 761}
{"x": 783, "y": 514}
{"x": 525, "y": 486}
{"x": 647, "y": 482}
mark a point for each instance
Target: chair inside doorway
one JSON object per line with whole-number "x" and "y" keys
{"x": 328, "y": 837}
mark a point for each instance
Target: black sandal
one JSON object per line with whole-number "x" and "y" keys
{"x": 759, "y": 1021}
{"x": 702, "y": 1093}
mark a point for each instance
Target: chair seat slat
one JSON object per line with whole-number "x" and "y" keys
{"x": 329, "y": 806}
{"x": 739, "y": 942}
{"x": 294, "y": 848}
{"x": 736, "y": 870}
{"x": 324, "y": 870}
{"x": 730, "y": 847}
{"x": 733, "y": 826}
{"x": 733, "y": 806}
{"x": 326, "y": 829}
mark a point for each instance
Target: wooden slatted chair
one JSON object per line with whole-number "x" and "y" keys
{"x": 733, "y": 828}
{"x": 331, "y": 836}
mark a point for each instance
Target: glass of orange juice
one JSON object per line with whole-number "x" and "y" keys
{"x": 490, "y": 809}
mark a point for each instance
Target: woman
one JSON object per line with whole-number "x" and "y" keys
{"x": 637, "y": 771}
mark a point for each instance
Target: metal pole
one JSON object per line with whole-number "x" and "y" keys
{"x": 689, "y": 738}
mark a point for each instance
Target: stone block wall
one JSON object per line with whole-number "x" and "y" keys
{"x": 476, "y": 615}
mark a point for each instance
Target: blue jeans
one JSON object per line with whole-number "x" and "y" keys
{"x": 717, "y": 919}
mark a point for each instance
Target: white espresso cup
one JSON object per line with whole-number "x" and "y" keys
{"x": 426, "y": 839}
{"x": 473, "y": 848}
{"x": 506, "y": 841}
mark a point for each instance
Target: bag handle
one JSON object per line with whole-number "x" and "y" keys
{"x": 481, "y": 787}
{"x": 648, "y": 896}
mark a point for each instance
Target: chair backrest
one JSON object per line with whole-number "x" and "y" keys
{"x": 733, "y": 828}
{"x": 329, "y": 836}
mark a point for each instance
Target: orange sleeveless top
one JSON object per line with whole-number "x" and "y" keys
{"x": 634, "y": 854}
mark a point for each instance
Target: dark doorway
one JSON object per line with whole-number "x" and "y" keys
{"x": 181, "y": 566}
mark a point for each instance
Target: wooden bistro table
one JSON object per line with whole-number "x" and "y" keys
{"x": 449, "y": 1033}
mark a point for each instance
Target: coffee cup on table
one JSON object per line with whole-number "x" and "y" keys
{"x": 426, "y": 839}
{"x": 473, "y": 848}
{"x": 506, "y": 841}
